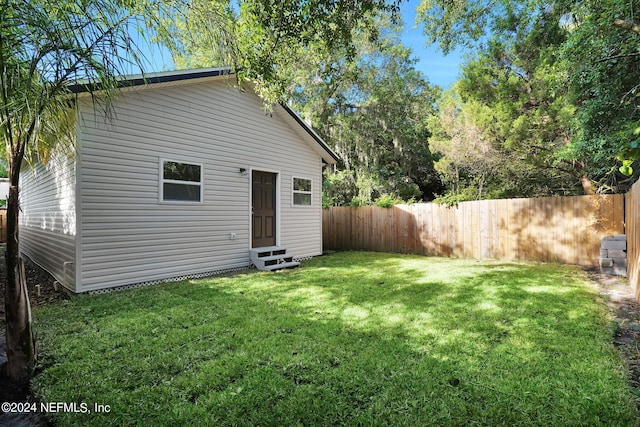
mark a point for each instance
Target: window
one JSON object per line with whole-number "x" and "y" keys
{"x": 181, "y": 182}
{"x": 301, "y": 192}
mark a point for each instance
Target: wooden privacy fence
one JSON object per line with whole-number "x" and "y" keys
{"x": 551, "y": 229}
{"x": 632, "y": 207}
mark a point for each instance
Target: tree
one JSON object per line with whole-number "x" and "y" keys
{"x": 601, "y": 53}
{"x": 341, "y": 66}
{"x": 470, "y": 23}
{"x": 264, "y": 40}
{"x": 576, "y": 62}
{"x": 371, "y": 107}
{"x": 45, "y": 45}
{"x": 373, "y": 111}
{"x": 511, "y": 105}
{"x": 469, "y": 161}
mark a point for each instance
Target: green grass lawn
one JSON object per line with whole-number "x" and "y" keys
{"x": 351, "y": 338}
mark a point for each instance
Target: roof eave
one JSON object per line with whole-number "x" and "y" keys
{"x": 332, "y": 157}
{"x": 152, "y": 78}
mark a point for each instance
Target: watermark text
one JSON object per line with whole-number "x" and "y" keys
{"x": 54, "y": 407}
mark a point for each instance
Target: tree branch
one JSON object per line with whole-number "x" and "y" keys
{"x": 627, "y": 25}
{"x": 622, "y": 55}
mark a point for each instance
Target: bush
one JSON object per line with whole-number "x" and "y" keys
{"x": 387, "y": 201}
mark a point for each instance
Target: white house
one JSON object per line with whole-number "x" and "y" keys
{"x": 183, "y": 178}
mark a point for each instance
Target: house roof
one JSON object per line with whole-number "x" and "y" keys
{"x": 153, "y": 78}
{"x": 168, "y": 77}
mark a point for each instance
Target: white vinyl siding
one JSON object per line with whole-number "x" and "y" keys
{"x": 48, "y": 216}
{"x": 128, "y": 237}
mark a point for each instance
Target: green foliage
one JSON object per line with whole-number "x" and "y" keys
{"x": 357, "y": 86}
{"x": 464, "y": 194}
{"x": 500, "y": 129}
{"x": 265, "y": 40}
{"x": 4, "y": 168}
{"x": 557, "y": 85}
{"x": 373, "y": 111}
{"x": 470, "y": 22}
{"x": 338, "y": 188}
{"x": 498, "y": 133}
{"x": 604, "y": 83}
{"x": 349, "y": 339}
{"x": 45, "y": 46}
{"x": 387, "y": 201}
{"x": 360, "y": 201}
{"x": 626, "y": 168}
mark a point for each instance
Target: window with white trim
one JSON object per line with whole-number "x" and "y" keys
{"x": 301, "y": 192}
{"x": 181, "y": 182}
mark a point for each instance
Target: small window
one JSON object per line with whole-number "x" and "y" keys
{"x": 181, "y": 182}
{"x": 301, "y": 192}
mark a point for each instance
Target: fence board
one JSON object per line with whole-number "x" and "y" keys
{"x": 520, "y": 225}
{"x": 3, "y": 226}
{"x": 556, "y": 226}
{"x": 590, "y": 211}
{"x": 483, "y": 230}
{"x": 503, "y": 235}
{"x": 424, "y": 241}
{"x": 512, "y": 230}
{"x": 568, "y": 236}
{"x": 493, "y": 231}
{"x": 632, "y": 210}
{"x": 441, "y": 232}
{"x": 545, "y": 234}
{"x": 564, "y": 229}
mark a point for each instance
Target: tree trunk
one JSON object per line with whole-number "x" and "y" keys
{"x": 587, "y": 185}
{"x": 20, "y": 338}
{"x": 627, "y": 25}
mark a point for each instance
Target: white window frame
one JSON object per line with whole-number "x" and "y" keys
{"x": 294, "y": 192}
{"x": 175, "y": 181}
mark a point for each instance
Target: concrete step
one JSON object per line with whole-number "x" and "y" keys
{"x": 281, "y": 266}
{"x": 272, "y": 258}
{"x": 266, "y": 259}
{"x": 269, "y": 249}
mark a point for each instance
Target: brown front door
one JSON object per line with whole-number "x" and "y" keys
{"x": 263, "y": 209}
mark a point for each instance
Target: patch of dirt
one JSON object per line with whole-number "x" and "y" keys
{"x": 41, "y": 291}
{"x": 625, "y": 311}
{"x": 39, "y": 285}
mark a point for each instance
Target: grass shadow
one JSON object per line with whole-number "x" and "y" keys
{"x": 352, "y": 338}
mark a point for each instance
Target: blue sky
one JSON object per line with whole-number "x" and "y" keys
{"x": 439, "y": 69}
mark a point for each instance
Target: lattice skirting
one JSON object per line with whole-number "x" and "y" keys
{"x": 171, "y": 279}
{"x": 181, "y": 278}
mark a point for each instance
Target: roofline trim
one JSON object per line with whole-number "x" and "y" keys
{"x": 310, "y": 131}
{"x": 153, "y": 78}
